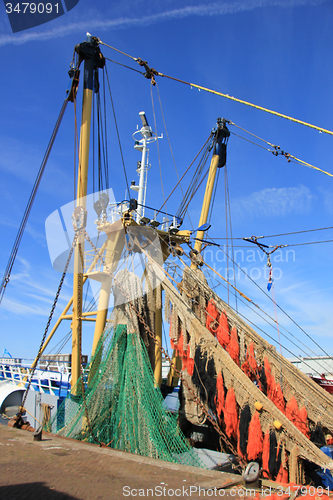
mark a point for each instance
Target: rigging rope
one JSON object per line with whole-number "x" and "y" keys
{"x": 76, "y": 147}
{"x": 226, "y": 96}
{"x": 274, "y": 321}
{"x": 173, "y": 158}
{"x": 106, "y": 137}
{"x": 195, "y": 183}
{"x": 282, "y": 246}
{"x": 115, "y": 120}
{"x": 288, "y": 316}
{"x": 308, "y": 243}
{"x": 157, "y": 143}
{"x": 188, "y": 168}
{"x": 250, "y": 301}
{"x": 226, "y": 227}
{"x": 230, "y": 224}
{"x": 285, "y": 234}
{"x": 6, "y": 276}
{"x": 278, "y": 152}
{"x": 49, "y": 320}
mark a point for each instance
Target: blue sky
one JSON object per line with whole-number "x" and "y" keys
{"x": 272, "y": 53}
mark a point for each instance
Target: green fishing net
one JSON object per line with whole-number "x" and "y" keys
{"x": 120, "y": 406}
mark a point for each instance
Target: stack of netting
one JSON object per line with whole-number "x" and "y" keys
{"x": 120, "y": 407}
{"x": 246, "y": 384}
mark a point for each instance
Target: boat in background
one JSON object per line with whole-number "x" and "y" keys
{"x": 324, "y": 383}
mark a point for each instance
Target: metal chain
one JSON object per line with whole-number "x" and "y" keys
{"x": 48, "y": 322}
{"x": 80, "y": 348}
{"x": 152, "y": 335}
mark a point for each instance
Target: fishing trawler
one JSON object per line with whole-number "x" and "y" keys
{"x": 238, "y": 395}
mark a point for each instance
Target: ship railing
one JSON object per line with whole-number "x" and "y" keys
{"x": 50, "y": 377}
{"x": 89, "y": 256}
{"x": 44, "y": 381}
{"x": 152, "y": 216}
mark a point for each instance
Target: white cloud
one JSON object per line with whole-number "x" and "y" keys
{"x": 193, "y": 9}
{"x": 327, "y": 198}
{"x": 274, "y": 202}
{"x": 310, "y": 338}
{"x": 22, "y": 309}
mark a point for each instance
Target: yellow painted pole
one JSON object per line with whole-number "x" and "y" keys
{"x": 158, "y": 336}
{"x": 172, "y": 376}
{"x": 64, "y": 312}
{"x": 47, "y": 341}
{"x": 206, "y": 202}
{"x": 79, "y": 249}
{"x": 114, "y": 247}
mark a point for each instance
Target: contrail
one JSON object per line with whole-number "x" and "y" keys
{"x": 211, "y": 9}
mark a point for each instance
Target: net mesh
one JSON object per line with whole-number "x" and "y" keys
{"x": 120, "y": 407}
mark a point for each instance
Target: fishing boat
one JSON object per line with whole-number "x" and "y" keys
{"x": 237, "y": 394}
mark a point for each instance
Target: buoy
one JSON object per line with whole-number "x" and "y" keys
{"x": 277, "y": 425}
{"x": 258, "y": 405}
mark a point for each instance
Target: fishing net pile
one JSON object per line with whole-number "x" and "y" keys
{"x": 268, "y": 410}
{"x": 119, "y": 405}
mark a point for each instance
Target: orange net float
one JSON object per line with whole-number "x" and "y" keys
{"x": 278, "y": 399}
{"x": 278, "y": 496}
{"x": 271, "y": 390}
{"x": 303, "y": 416}
{"x": 180, "y": 344}
{"x": 222, "y": 332}
{"x": 247, "y": 369}
{"x": 233, "y": 346}
{"x": 292, "y": 412}
{"x": 184, "y": 355}
{"x": 265, "y": 456}
{"x": 190, "y": 366}
{"x": 311, "y": 497}
{"x": 255, "y": 440}
{"x": 220, "y": 396}
{"x": 283, "y": 474}
{"x": 231, "y": 414}
{"x": 184, "y": 360}
{"x": 270, "y": 380}
{"x": 212, "y": 315}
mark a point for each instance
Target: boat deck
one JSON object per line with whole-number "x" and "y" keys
{"x": 61, "y": 468}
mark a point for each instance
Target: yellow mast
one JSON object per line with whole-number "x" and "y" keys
{"x": 93, "y": 59}
{"x": 218, "y": 160}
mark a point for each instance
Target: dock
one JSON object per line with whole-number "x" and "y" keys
{"x": 57, "y": 468}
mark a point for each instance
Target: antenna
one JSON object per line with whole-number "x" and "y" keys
{"x": 145, "y": 125}
{"x": 143, "y": 166}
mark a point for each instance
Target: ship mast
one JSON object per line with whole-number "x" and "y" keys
{"x": 218, "y": 161}
{"x": 93, "y": 59}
